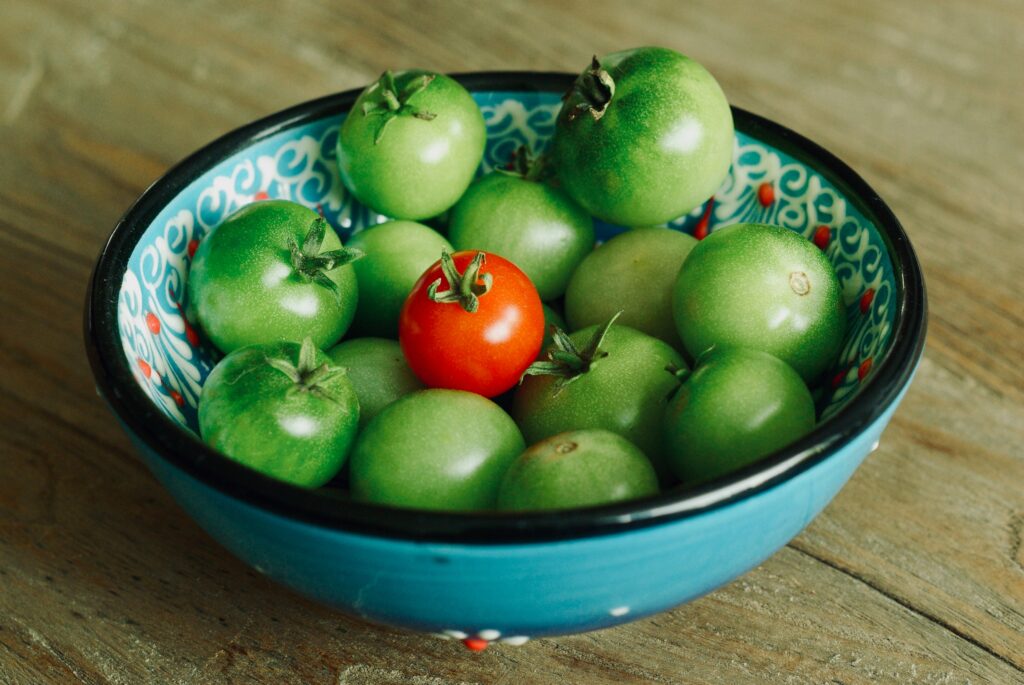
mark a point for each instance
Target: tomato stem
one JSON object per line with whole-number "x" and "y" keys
{"x": 595, "y": 89}
{"x": 311, "y": 264}
{"x": 565, "y": 360}
{"x": 527, "y": 166}
{"x": 463, "y": 288}
{"x": 393, "y": 103}
{"x": 306, "y": 375}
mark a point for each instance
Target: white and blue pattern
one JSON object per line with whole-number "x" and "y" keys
{"x": 299, "y": 165}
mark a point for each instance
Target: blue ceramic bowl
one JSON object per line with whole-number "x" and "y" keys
{"x": 491, "y": 576}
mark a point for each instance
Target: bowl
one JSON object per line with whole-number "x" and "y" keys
{"x": 488, "y": 577}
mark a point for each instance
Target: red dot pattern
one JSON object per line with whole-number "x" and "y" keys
{"x": 700, "y": 232}
{"x": 152, "y": 323}
{"x": 866, "y": 299}
{"x": 475, "y": 644}
{"x": 822, "y": 235}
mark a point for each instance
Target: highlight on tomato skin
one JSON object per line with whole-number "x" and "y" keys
{"x": 473, "y": 321}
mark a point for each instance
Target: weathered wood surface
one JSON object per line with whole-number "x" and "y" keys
{"x": 915, "y": 574}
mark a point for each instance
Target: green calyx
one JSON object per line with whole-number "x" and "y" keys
{"x": 307, "y": 376}
{"x": 527, "y": 166}
{"x": 566, "y": 361}
{"x": 393, "y": 103}
{"x": 594, "y": 89}
{"x": 311, "y": 264}
{"x": 466, "y": 288}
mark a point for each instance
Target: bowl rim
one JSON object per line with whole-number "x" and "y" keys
{"x": 186, "y": 452}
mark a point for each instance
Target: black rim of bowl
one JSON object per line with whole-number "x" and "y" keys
{"x": 334, "y": 510}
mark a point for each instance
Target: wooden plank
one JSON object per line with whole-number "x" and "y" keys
{"x": 934, "y": 518}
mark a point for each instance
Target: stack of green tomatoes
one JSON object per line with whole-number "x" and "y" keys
{"x": 476, "y": 351}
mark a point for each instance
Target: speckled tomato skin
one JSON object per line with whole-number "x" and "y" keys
{"x": 243, "y": 290}
{"x": 662, "y": 147}
{"x": 250, "y": 412}
{"x": 378, "y": 372}
{"x": 735, "y": 290}
{"x": 634, "y": 273}
{"x": 577, "y": 469}
{"x": 418, "y": 168}
{"x": 737, "y": 406}
{"x": 435, "y": 449}
{"x": 397, "y": 253}
{"x": 538, "y": 227}
{"x": 625, "y": 392}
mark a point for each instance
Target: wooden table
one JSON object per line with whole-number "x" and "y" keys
{"x": 915, "y": 574}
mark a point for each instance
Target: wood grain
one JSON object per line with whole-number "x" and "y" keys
{"x": 915, "y": 574}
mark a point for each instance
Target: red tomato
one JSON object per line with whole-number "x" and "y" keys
{"x": 473, "y": 321}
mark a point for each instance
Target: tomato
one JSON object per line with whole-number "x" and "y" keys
{"x": 272, "y": 271}
{"x": 435, "y": 449}
{"x": 397, "y": 252}
{"x": 737, "y": 406}
{"x": 378, "y": 372}
{"x": 634, "y": 273}
{"x": 643, "y": 137}
{"x": 611, "y": 377}
{"x": 534, "y": 225}
{"x": 411, "y": 144}
{"x": 473, "y": 321}
{"x": 577, "y": 469}
{"x": 762, "y": 287}
{"x": 281, "y": 409}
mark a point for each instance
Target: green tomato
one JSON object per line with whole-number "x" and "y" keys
{"x": 534, "y": 225}
{"x": 262, "y": 276}
{"x": 577, "y": 469}
{"x": 435, "y": 449}
{"x": 762, "y": 287}
{"x": 737, "y": 406}
{"x": 281, "y": 409}
{"x": 397, "y": 254}
{"x": 643, "y": 137}
{"x": 623, "y": 387}
{"x": 411, "y": 144}
{"x": 378, "y": 373}
{"x": 634, "y": 273}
